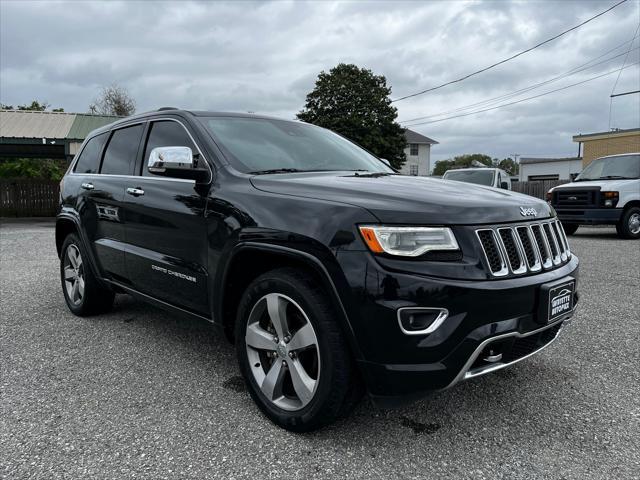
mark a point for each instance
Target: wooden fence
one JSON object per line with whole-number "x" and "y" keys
{"x": 537, "y": 189}
{"x": 28, "y": 198}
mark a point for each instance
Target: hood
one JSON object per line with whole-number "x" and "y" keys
{"x": 602, "y": 184}
{"x": 407, "y": 199}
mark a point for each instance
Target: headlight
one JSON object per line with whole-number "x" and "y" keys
{"x": 408, "y": 241}
{"x": 610, "y": 198}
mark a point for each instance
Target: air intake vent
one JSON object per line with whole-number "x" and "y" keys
{"x": 516, "y": 261}
{"x": 492, "y": 252}
{"x": 543, "y": 247}
{"x": 524, "y": 248}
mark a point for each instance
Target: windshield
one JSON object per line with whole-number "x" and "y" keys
{"x": 258, "y": 145}
{"x": 623, "y": 166}
{"x": 481, "y": 177}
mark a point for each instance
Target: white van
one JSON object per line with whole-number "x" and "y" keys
{"x": 491, "y": 177}
{"x": 607, "y": 192}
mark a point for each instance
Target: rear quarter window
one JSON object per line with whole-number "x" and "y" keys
{"x": 122, "y": 151}
{"x": 89, "y": 159}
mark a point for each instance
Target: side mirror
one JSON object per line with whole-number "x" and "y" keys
{"x": 177, "y": 162}
{"x": 386, "y": 162}
{"x": 504, "y": 185}
{"x": 573, "y": 176}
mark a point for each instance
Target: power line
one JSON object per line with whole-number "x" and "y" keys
{"x": 625, "y": 93}
{"x": 573, "y": 71}
{"x": 617, "y": 79}
{"x": 522, "y": 100}
{"x": 509, "y": 58}
{"x": 623, "y": 63}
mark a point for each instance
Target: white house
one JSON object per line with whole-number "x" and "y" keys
{"x": 532, "y": 169}
{"x": 418, "y": 154}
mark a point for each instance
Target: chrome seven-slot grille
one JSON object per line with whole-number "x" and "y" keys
{"x": 524, "y": 248}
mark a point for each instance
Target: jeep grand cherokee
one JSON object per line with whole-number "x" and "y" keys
{"x": 333, "y": 275}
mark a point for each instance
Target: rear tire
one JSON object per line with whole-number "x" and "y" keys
{"x": 83, "y": 292}
{"x": 570, "y": 228}
{"x": 312, "y": 386}
{"x": 629, "y": 225}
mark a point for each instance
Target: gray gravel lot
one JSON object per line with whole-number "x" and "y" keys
{"x": 139, "y": 394}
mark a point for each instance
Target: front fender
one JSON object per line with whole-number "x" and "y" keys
{"x": 323, "y": 263}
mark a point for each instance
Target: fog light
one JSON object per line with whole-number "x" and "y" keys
{"x": 421, "y": 320}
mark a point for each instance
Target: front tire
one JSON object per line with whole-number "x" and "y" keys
{"x": 570, "y": 228}
{"x": 84, "y": 294}
{"x": 629, "y": 225}
{"x": 292, "y": 353}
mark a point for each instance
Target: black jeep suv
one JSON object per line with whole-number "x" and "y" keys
{"x": 332, "y": 274}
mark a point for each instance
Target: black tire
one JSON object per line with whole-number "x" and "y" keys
{"x": 337, "y": 387}
{"x": 627, "y": 227}
{"x": 570, "y": 228}
{"x": 94, "y": 298}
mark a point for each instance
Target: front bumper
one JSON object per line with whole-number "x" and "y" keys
{"x": 593, "y": 216}
{"x": 397, "y": 367}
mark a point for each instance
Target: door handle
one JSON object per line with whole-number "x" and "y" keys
{"x": 87, "y": 186}
{"x": 136, "y": 192}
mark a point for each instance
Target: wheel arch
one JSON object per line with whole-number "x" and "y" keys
{"x": 251, "y": 259}
{"x": 65, "y": 225}
{"x": 630, "y": 204}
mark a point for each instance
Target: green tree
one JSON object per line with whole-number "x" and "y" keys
{"x": 354, "y": 102}
{"x": 35, "y": 106}
{"x": 509, "y": 166}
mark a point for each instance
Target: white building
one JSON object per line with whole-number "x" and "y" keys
{"x": 533, "y": 169}
{"x": 418, "y": 154}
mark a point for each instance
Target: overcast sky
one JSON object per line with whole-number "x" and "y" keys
{"x": 264, "y": 57}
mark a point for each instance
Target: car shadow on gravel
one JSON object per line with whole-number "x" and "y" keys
{"x": 497, "y": 401}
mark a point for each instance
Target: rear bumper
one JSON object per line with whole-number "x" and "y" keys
{"x": 593, "y": 216}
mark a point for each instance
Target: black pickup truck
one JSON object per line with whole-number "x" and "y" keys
{"x": 333, "y": 275}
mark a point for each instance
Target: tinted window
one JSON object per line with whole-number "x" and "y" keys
{"x": 258, "y": 144}
{"x": 166, "y": 134}
{"x": 122, "y": 150}
{"x": 89, "y": 159}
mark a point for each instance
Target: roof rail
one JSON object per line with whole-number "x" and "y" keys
{"x": 162, "y": 109}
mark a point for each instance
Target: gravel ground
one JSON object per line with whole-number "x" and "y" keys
{"x": 137, "y": 393}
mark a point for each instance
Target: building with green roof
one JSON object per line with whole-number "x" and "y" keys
{"x": 58, "y": 135}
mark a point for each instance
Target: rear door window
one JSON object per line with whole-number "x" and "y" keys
{"x": 165, "y": 133}
{"x": 122, "y": 151}
{"x": 89, "y": 159}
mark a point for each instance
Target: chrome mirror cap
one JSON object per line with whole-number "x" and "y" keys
{"x": 171, "y": 158}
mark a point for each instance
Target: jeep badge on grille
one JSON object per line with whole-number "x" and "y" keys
{"x": 528, "y": 212}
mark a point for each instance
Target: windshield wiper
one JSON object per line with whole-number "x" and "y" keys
{"x": 277, "y": 170}
{"x": 617, "y": 177}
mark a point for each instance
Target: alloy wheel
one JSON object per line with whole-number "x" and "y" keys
{"x": 634, "y": 223}
{"x": 74, "y": 275}
{"x": 283, "y": 352}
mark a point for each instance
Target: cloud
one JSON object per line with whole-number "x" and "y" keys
{"x": 265, "y": 56}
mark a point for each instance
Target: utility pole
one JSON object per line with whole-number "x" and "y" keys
{"x": 515, "y": 157}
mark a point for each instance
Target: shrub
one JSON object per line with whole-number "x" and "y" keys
{"x": 46, "y": 169}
